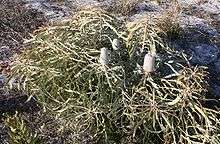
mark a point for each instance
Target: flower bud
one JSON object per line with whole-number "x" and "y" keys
{"x": 149, "y": 63}
{"x": 104, "y": 56}
{"x": 116, "y": 45}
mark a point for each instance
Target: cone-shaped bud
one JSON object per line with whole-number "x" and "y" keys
{"x": 116, "y": 44}
{"x": 149, "y": 63}
{"x": 104, "y": 56}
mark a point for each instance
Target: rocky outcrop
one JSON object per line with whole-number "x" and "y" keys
{"x": 52, "y": 11}
{"x": 204, "y": 54}
{"x": 148, "y": 7}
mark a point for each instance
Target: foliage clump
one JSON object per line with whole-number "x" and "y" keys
{"x": 19, "y": 132}
{"x": 116, "y": 102}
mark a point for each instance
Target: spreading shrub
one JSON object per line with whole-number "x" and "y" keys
{"x": 116, "y": 102}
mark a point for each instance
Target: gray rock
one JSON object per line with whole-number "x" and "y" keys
{"x": 52, "y": 11}
{"x": 5, "y": 53}
{"x": 215, "y": 89}
{"x": 204, "y": 54}
{"x": 186, "y": 2}
{"x": 217, "y": 66}
{"x": 32, "y": 1}
{"x": 148, "y": 7}
{"x": 196, "y": 40}
{"x": 3, "y": 79}
{"x": 81, "y": 3}
{"x": 197, "y": 27}
{"x": 4, "y": 137}
{"x": 211, "y": 7}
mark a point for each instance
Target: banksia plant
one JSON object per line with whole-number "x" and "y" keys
{"x": 172, "y": 109}
{"x": 64, "y": 71}
{"x": 168, "y": 103}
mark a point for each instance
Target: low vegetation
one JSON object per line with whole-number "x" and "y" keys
{"x": 116, "y": 102}
{"x": 18, "y": 131}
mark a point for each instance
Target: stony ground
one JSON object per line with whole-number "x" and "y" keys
{"x": 200, "y": 21}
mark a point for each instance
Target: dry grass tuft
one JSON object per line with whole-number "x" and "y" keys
{"x": 168, "y": 21}
{"x": 124, "y": 7}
